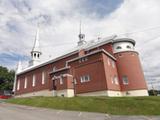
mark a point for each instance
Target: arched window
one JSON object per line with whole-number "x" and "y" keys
{"x": 38, "y": 56}
{"x": 34, "y": 54}
{"x": 119, "y": 47}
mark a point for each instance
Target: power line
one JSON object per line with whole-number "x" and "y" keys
{"x": 142, "y": 30}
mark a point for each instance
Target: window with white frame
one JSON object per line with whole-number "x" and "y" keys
{"x": 61, "y": 80}
{"x": 18, "y": 84}
{"x": 43, "y": 77}
{"x": 116, "y": 80}
{"x": 75, "y": 81}
{"x": 25, "y": 82}
{"x": 54, "y": 68}
{"x": 83, "y": 59}
{"x": 34, "y": 80}
{"x": 113, "y": 64}
{"x": 85, "y": 78}
{"x": 108, "y": 61}
{"x": 125, "y": 80}
{"x": 112, "y": 80}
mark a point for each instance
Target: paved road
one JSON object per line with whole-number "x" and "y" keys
{"x": 17, "y": 112}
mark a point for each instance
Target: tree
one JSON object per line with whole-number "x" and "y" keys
{"x": 6, "y": 78}
{"x": 153, "y": 92}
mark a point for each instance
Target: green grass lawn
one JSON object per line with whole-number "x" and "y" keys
{"x": 109, "y": 105}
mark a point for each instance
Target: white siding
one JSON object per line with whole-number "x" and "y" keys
{"x": 122, "y": 46}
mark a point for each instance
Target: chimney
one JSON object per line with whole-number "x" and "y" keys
{"x": 81, "y": 52}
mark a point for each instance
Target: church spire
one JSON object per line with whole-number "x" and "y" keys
{"x": 36, "y": 51}
{"x": 19, "y": 67}
{"x": 81, "y": 36}
{"x": 36, "y": 46}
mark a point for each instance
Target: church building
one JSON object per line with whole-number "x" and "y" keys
{"x": 105, "y": 67}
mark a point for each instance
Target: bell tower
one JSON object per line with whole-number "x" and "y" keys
{"x": 36, "y": 51}
{"x": 132, "y": 80}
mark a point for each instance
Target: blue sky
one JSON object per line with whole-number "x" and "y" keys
{"x": 59, "y": 27}
{"x": 100, "y": 8}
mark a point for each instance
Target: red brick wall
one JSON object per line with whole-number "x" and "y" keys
{"x": 67, "y": 83}
{"x": 38, "y": 85}
{"x": 128, "y": 64}
{"x": 108, "y": 48}
{"x": 61, "y": 63}
{"x": 38, "y": 73}
{"x": 110, "y": 72}
{"x": 95, "y": 69}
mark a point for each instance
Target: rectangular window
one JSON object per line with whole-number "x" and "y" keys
{"x": 25, "y": 82}
{"x": 34, "y": 81}
{"x": 43, "y": 77}
{"x": 54, "y": 68}
{"x": 113, "y": 64}
{"x": 82, "y": 79}
{"x": 18, "y": 85}
{"x": 125, "y": 80}
{"x": 83, "y": 59}
{"x": 61, "y": 80}
{"x": 116, "y": 80}
{"x": 108, "y": 61}
{"x": 85, "y": 78}
{"x": 75, "y": 81}
{"x": 112, "y": 80}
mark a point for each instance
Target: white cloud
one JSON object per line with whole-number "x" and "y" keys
{"x": 60, "y": 21}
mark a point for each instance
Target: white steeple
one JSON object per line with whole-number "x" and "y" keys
{"x": 36, "y": 52}
{"x": 36, "y": 46}
{"x": 81, "y": 37}
{"x": 19, "y": 67}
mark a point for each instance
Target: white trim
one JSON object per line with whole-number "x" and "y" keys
{"x": 143, "y": 92}
{"x": 84, "y": 78}
{"x": 102, "y": 93}
{"x": 65, "y": 93}
{"x": 102, "y": 42}
{"x": 47, "y": 62}
{"x": 37, "y": 93}
{"x": 112, "y": 93}
{"x": 110, "y": 39}
{"x": 64, "y": 75}
{"x": 61, "y": 69}
{"x": 15, "y": 81}
{"x": 91, "y": 53}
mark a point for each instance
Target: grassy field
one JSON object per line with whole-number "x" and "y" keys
{"x": 109, "y": 105}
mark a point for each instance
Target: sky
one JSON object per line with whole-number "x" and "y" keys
{"x": 59, "y": 28}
